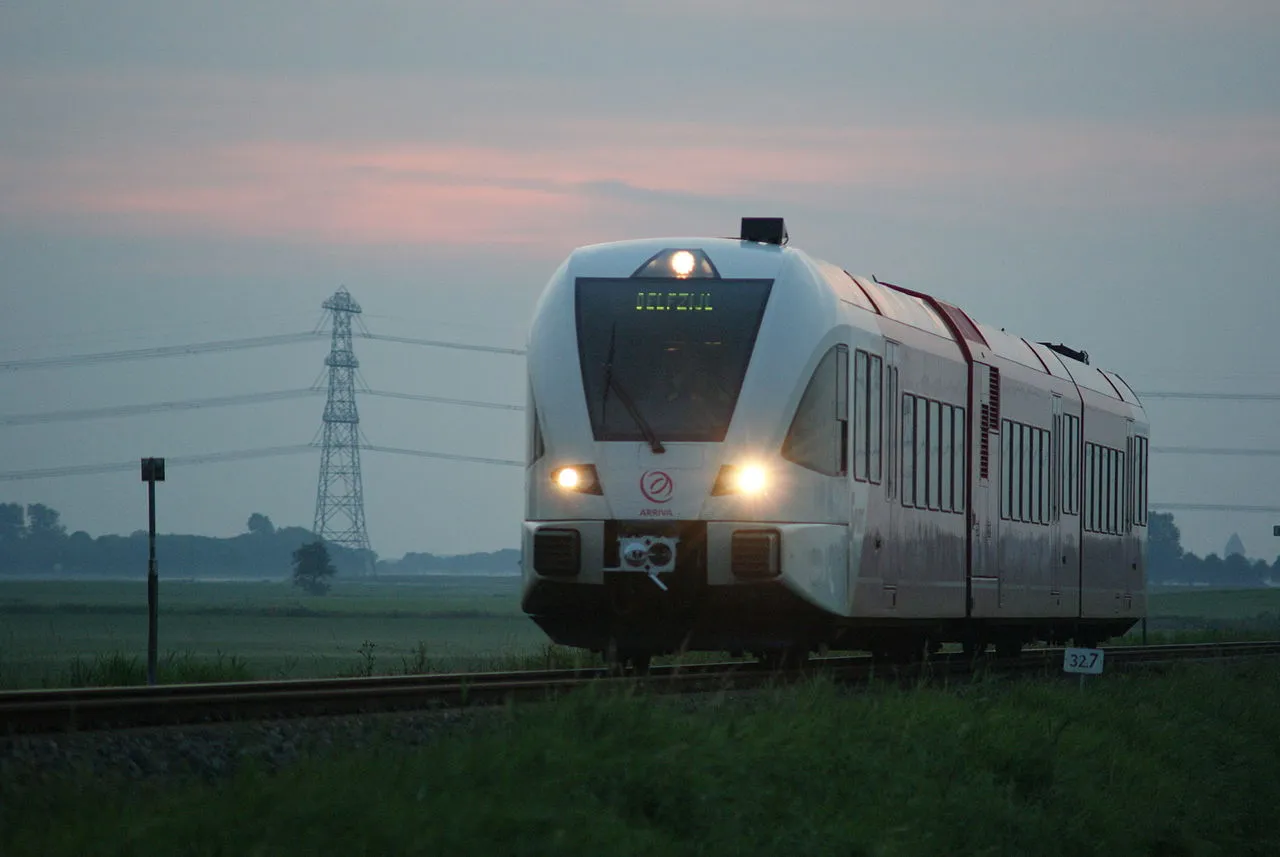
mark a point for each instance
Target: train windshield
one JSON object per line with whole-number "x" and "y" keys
{"x": 664, "y": 359}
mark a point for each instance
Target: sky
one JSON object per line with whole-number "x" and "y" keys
{"x": 1105, "y": 175}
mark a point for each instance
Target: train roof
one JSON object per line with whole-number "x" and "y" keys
{"x": 767, "y": 259}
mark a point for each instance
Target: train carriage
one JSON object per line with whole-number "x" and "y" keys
{"x": 734, "y": 446}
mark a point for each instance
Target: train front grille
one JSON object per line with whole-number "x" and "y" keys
{"x": 556, "y": 552}
{"x": 754, "y": 554}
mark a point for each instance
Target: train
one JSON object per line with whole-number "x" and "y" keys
{"x": 734, "y": 446}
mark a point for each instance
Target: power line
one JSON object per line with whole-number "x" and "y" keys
{"x": 494, "y": 349}
{"x": 235, "y": 455}
{"x": 134, "y": 410}
{"x": 226, "y": 401}
{"x": 445, "y": 455}
{"x": 442, "y": 399}
{"x": 1225, "y": 397}
{"x": 224, "y": 345}
{"x": 205, "y": 458}
{"x": 148, "y": 353}
{"x": 1214, "y": 450}
{"x": 1211, "y": 507}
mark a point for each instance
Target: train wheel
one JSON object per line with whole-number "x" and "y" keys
{"x": 973, "y": 647}
{"x": 626, "y": 661}
{"x": 903, "y": 650}
{"x": 1008, "y": 648}
{"x": 778, "y": 660}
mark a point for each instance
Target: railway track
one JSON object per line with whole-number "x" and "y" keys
{"x": 83, "y": 709}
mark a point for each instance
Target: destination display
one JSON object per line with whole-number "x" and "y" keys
{"x": 664, "y": 300}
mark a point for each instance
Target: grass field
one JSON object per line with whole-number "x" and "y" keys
{"x": 58, "y": 632}
{"x": 275, "y": 631}
{"x": 1214, "y": 604}
{"x": 1166, "y": 764}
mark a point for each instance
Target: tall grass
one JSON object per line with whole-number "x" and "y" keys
{"x": 1173, "y": 764}
{"x": 118, "y": 670}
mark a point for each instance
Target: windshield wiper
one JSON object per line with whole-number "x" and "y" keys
{"x": 627, "y": 402}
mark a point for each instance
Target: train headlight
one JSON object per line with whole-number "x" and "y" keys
{"x": 750, "y": 479}
{"x": 679, "y": 263}
{"x": 747, "y": 479}
{"x": 578, "y": 478}
{"x": 682, "y": 263}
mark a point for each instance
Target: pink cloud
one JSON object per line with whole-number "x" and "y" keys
{"x": 450, "y": 193}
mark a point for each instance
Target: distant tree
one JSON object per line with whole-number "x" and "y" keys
{"x": 261, "y": 524}
{"x": 1164, "y": 547}
{"x": 312, "y": 567}
{"x": 43, "y": 521}
{"x": 13, "y": 522}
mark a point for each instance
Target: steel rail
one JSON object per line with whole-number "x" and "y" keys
{"x": 72, "y": 709}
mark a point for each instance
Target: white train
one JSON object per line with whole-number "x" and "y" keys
{"x": 734, "y": 446}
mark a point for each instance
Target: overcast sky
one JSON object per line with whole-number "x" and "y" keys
{"x": 1098, "y": 173}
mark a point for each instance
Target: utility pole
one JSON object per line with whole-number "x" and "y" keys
{"x": 152, "y": 472}
{"x": 340, "y": 493}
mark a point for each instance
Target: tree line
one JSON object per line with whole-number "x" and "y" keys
{"x": 33, "y": 540}
{"x": 1168, "y": 562}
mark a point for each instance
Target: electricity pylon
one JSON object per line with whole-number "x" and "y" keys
{"x": 340, "y": 495}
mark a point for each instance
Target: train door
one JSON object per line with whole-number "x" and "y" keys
{"x": 984, "y": 480}
{"x": 891, "y": 444}
{"x": 1057, "y": 559}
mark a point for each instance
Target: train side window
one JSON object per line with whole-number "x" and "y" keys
{"x": 861, "y": 414}
{"x": 1042, "y": 467}
{"x": 1088, "y": 486}
{"x": 935, "y": 455}
{"x": 1023, "y": 476}
{"x": 1072, "y": 480}
{"x": 1006, "y": 472}
{"x": 1033, "y": 484}
{"x": 1123, "y": 524}
{"x": 961, "y": 450}
{"x": 908, "y": 449}
{"x": 922, "y": 453}
{"x": 891, "y": 432}
{"x": 875, "y": 418}
{"x": 1101, "y": 464}
{"x": 1126, "y": 506}
{"x": 1109, "y": 480}
{"x": 1119, "y": 460}
{"x": 868, "y": 420}
{"x": 1029, "y": 481}
{"x": 1055, "y": 467}
{"x": 819, "y": 434}
{"x": 1046, "y": 477}
{"x": 1067, "y": 458}
{"x": 1109, "y": 474}
{"x": 946, "y": 500}
{"x": 1099, "y": 491}
{"x": 1100, "y": 480}
{"x": 1140, "y": 463}
{"x": 537, "y": 447}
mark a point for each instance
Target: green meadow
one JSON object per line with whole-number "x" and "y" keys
{"x": 56, "y": 633}
{"x": 51, "y": 631}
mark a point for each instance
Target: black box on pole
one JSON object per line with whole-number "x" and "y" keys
{"x": 153, "y": 470}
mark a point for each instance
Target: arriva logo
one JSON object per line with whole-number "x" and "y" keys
{"x": 657, "y": 486}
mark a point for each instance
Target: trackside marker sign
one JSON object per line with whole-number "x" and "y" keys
{"x": 1083, "y": 661}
